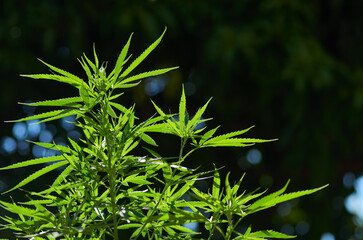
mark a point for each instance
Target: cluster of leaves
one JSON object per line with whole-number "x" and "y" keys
{"x": 104, "y": 189}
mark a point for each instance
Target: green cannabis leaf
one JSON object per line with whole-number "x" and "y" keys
{"x": 104, "y": 190}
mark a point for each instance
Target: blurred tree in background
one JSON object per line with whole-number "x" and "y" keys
{"x": 292, "y": 68}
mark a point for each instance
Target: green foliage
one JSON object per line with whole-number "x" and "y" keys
{"x": 105, "y": 188}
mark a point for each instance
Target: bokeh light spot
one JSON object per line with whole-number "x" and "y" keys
{"x": 254, "y": 156}
{"x": 287, "y": 229}
{"x": 45, "y": 136}
{"x": 29, "y": 110}
{"x": 49, "y": 153}
{"x": 194, "y": 226}
{"x": 155, "y": 85}
{"x": 38, "y": 151}
{"x": 200, "y": 125}
{"x": 68, "y": 122}
{"x": 302, "y": 228}
{"x": 327, "y": 236}
{"x": 284, "y": 209}
{"x": 34, "y": 128}
{"x": 3, "y": 186}
{"x": 23, "y": 148}
{"x": 354, "y": 202}
{"x": 74, "y": 135}
{"x": 20, "y": 131}
{"x": 348, "y": 180}
{"x": 189, "y": 88}
{"x": 8, "y": 145}
{"x": 52, "y": 129}
{"x": 64, "y": 51}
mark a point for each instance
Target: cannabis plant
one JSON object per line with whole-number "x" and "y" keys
{"x": 106, "y": 190}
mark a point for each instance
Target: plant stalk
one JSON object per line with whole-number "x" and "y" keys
{"x": 111, "y": 169}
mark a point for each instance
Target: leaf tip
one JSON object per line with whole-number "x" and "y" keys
{"x": 10, "y": 121}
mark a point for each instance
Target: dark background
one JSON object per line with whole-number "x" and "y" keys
{"x": 292, "y": 68}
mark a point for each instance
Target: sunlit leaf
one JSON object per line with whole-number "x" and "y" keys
{"x": 83, "y": 92}
{"x": 235, "y": 142}
{"x": 196, "y": 119}
{"x": 228, "y": 135}
{"x": 53, "y": 146}
{"x": 146, "y": 138}
{"x": 33, "y": 162}
{"x": 216, "y": 184}
{"x": 85, "y": 68}
{"x": 183, "y": 229}
{"x": 129, "y": 225}
{"x": 269, "y": 234}
{"x": 95, "y": 56}
{"x": 54, "y": 77}
{"x": 110, "y": 111}
{"x": 37, "y": 174}
{"x": 121, "y": 58}
{"x": 144, "y": 75}
{"x": 67, "y": 102}
{"x": 64, "y": 113}
{"x": 182, "y": 190}
{"x": 119, "y": 107}
{"x": 61, "y": 177}
{"x": 171, "y": 124}
{"x": 285, "y": 197}
{"x": 65, "y": 73}
{"x": 182, "y": 110}
{"x": 128, "y": 85}
{"x": 208, "y": 135}
{"x": 23, "y": 210}
{"x": 138, "y": 60}
{"x": 39, "y": 116}
{"x": 261, "y": 202}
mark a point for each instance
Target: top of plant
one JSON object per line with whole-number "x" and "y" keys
{"x": 98, "y": 83}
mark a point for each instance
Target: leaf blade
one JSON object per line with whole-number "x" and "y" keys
{"x": 57, "y": 102}
{"x": 182, "y": 110}
{"x": 144, "y": 75}
{"x": 195, "y": 120}
{"x": 269, "y": 234}
{"x": 33, "y": 162}
{"x": 53, "y": 77}
{"x": 216, "y": 184}
{"x": 229, "y": 135}
{"x": 37, "y": 174}
{"x": 138, "y": 60}
{"x": 64, "y": 113}
{"x": 121, "y": 58}
{"x": 38, "y": 116}
{"x": 65, "y": 73}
